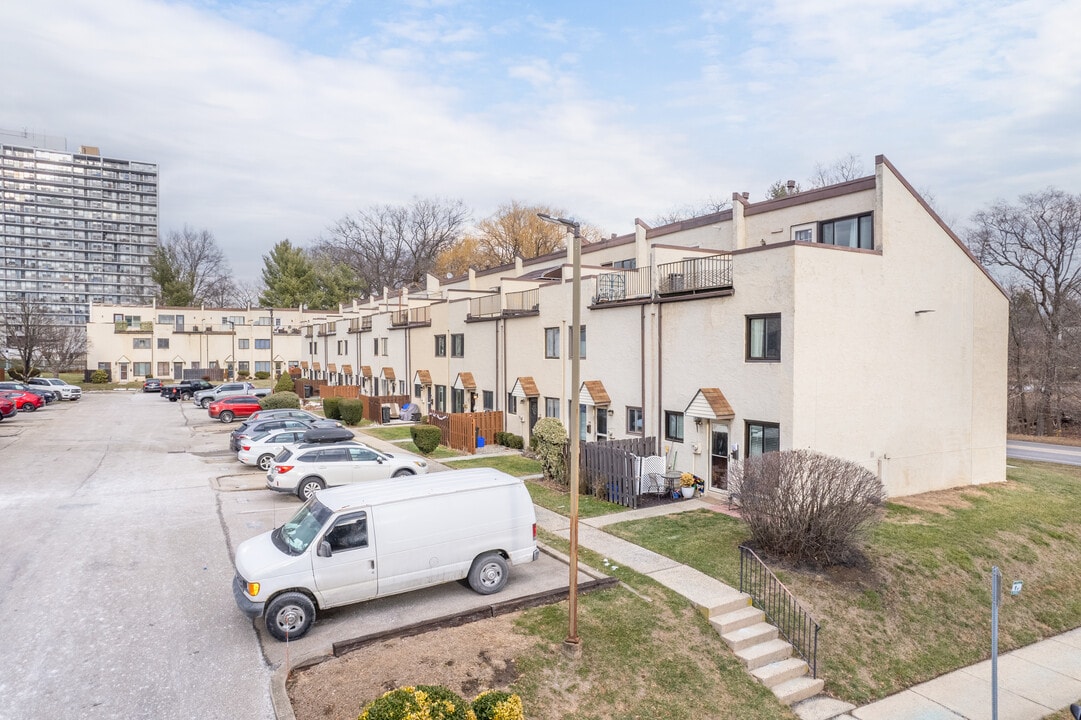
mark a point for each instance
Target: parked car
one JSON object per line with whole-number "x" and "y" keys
{"x": 7, "y": 408}
{"x": 24, "y": 400}
{"x": 263, "y": 448}
{"x": 205, "y": 397}
{"x": 294, "y": 413}
{"x": 152, "y": 385}
{"x": 229, "y": 408}
{"x": 66, "y": 390}
{"x": 260, "y": 423}
{"x": 309, "y": 467}
{"x": 184, "y": 390}
{"x": 44, "y": 393}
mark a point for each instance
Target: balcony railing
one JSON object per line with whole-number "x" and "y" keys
{"x": 623, "y": 285}
{"x": 413, "y": 317}
{"x": 487, "y": 306}
{"x": 780, "y": 606}
{"x": 527, "y": 301}
{"x": 687, "y": 276}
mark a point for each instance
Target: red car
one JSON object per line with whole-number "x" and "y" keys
{"x": 7, "y": 408}
{"x": 24, "y": 401}
{"x": 229, "y": 408}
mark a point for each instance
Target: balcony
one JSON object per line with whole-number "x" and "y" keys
{"x": 694, "y": 276}
{"x": 485, "y": 307}
{"x": 134, "y": 327}
{"x": 363, "y": 324}
{"x": 413, "y": 317}
{"x": 623, "y": 285}
{"x": 526, "y": 302}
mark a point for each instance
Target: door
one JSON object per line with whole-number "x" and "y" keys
{"x": 534, "y": 414}
{"x": 718, "y": 456}
{"x": 583, "y": 423}
{"x": 349, "y": 574}
{"x": 123, "y": 371}
{"x": 602, "y": 423}
{"x": 178, "y": 371}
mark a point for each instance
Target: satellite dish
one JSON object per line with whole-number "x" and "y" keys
{"x": 450, "y": 275}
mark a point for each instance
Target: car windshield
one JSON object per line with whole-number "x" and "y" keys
{"x": 295, "y": 536}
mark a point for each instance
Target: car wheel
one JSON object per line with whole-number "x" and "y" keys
{"x": 308, "y": 487}
{"x": 30, "y": 407}
{"x": 226, "y": 416}
{"x": 205, "y": 402}
{"x": 185, "y": 396}
{"x": 172, "y": 398}
{"x": 289, "y": 616}
{"x": 265, "y": 461}
{"x": 488, "y": 574}
{"x": 403, "y": 472}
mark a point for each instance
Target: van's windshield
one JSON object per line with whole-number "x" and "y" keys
{"x": 295, "y": 536}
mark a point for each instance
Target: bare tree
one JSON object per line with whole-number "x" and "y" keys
{"x": 685, "y": 212}
{"x": 1036, "y": 244}
{"x": 841, "y": 170}
{"x": 66, "y": 345}
{"x": 783, "y": 188}
{"x": 395, "y": 245}
{"x": 190, "y": 269}
{"x": 27, "y": 332}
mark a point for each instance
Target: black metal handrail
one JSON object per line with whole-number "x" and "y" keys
{"x": 780, "y": 606}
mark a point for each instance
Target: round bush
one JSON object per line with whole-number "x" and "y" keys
{"x": 426, "y": 437}
{"x": 99, "y": 377}
{"x": 280, "y": 400}
{"x": 351, "y": 412}
{"x": 262, "y": 375}
{"x": 331, "y": 408}
{"x": 498, "y": 705}
{"x": 430, "y": 702}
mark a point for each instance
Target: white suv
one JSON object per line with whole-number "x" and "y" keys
{"x": 304, "y": 469}
{"x": 61, "y": 388}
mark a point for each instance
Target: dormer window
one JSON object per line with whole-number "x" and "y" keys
{"x": 855, "y": 232}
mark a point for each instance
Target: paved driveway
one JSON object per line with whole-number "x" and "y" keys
{"x": 115, "y": 573}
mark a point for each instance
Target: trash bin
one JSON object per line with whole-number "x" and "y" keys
{"x": 480, "y": 442}
{"x": 307, "y": 391}
{"x": 386, "y": 414}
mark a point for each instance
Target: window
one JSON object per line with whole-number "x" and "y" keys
{"x": 855, "y": 232}
{"x": 488, "y": 399}
{"x": 140, "y": 343}
{"x": 581, "y": 342}
{"x": 551, "y": 342}
{"x": 512, "y": 403}
{"x": 243, "y": 366}
{"x": 634, "y": 420}
{"x": 262, "y": 344}
{"x": 622, "y": 264}
{"x": 457, "y": 345}
{"x": 375, "y": 346}
{"x": 417, "y": 390}
{"x": 243, "y": 344}
{"x": 383, "y": 346}
{"x": 163, "y": 343}
{"x": 262, "y": 366}
{"x": 762, "y": 438}
{"x": 673, "y": 426}
{"x": 349, "y": 532}
{"x": 440, "y": 345}
{"x": 343, "y": 347}
{"x": 457, "y": 400}
{"x": 441, "y": 398}
{"x": 764, "y": 337}
{"x": 163, "y": 369}
{"x": 551, "y": 407}
{"x": 802, "y": 235}
{"x": 166, "y": 319}
{"x": 142, "y": 369}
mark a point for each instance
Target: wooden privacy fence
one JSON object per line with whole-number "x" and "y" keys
{"x": 315, "y": 385}
{"x": 373, "y": 405}
{"x": 461, "y": 430}
{"x": 350, "y": 392}
{"x": 609, "y": 468}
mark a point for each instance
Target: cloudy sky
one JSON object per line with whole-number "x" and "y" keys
{"x": 271, "y": 120}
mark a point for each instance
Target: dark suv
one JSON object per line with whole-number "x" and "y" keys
{"x": 185, "y": 389}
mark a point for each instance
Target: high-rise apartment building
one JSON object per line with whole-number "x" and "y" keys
{"x": 75, "y": 227}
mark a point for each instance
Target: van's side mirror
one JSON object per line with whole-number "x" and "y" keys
{"x": 324, "y": 549}
{"x": 1075, "y": 710}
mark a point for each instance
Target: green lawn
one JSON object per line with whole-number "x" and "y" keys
{"x": 512, "y": 464}
{"x": 398, "y": 432}
{"x": 559, "y": 501}
{"x": 922, "y": 606}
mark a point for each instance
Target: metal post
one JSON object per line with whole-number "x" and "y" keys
{"x": 996, "y": 592}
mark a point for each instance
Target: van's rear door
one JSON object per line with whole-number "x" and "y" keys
{"x": 349, "y": 574}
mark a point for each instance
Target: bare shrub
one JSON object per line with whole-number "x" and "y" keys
{"x": 810, "y": 507}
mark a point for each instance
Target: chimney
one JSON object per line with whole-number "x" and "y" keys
{"x": 791, "y": 185}
{"x": 746, "y": 195}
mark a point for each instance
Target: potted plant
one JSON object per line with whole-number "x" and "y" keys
{"x": 687, "y": 482}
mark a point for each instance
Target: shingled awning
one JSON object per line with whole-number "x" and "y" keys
{"x": 366, "y": 371}
{"x": 592, "y": 392}
{"x": 525, "y": 387}
{"x": 422, "y": 377}
{"x": 465, "y": 381}
{"x": 710, "y": 403}
{"x": 388, "y": 373}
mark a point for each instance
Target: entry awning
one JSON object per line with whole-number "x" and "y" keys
{"x": 366, "y": 371}
{"x": 388, "y": 373}
{"x": 592, "y": 392}
{"x": 465, "y": 381}
{"x": 347, "y": 369}
{"x": 331, "y": 367}
{"x": 710, "y": 403}
{"x": 422, "y": 377}
{"x": 525, "y": 387}
{"x": 315, "y": 366}
{"x": 303, "y": 364}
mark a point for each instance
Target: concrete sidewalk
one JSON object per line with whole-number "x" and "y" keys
{"x": 1033, "y": 682}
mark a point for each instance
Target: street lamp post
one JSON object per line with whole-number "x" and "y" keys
{"x": 573, "y": 644}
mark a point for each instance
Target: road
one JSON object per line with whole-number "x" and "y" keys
{"x": 115, "y": 572}
{"x": 1044, "y": 452}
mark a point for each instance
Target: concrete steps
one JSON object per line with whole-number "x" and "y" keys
{"x": 765, "y": 655}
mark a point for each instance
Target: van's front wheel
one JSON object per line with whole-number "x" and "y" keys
{"x": 488, "y": 574}
{"x": 289, "y": 616}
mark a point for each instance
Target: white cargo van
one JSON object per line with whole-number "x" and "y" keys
{"x": 383, "y": 537}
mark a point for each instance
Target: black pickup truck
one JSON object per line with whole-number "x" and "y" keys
{"x": 185, "y": 389}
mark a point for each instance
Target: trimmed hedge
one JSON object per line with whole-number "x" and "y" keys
{"x": 498, "y": 705}
{"x": 280, "y": 400}
{"x": 262, "y": 375}
{"x": 426, "y": 438}
{"x": 331, "y": 408}
{"x": 99, "y": 377}
{"x": 285, "y": 382}
{"x": 509, "y": 440}
{"x": 431, "y": 702}
{"x": 350, "y": 412}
